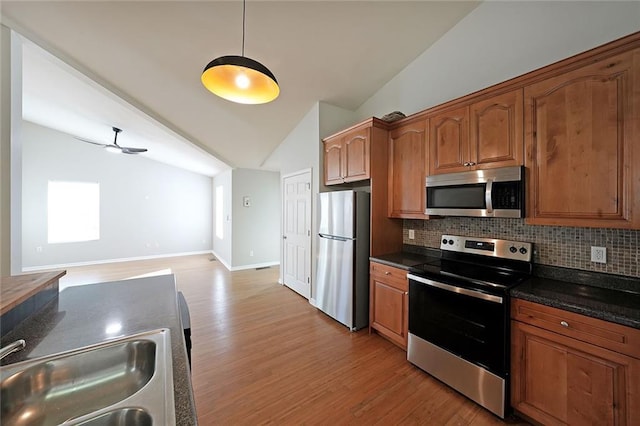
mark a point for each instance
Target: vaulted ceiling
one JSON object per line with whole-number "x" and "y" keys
{"x": 149, "y": 55}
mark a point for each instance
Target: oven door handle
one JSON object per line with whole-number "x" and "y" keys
{"x": 454, "y": 289}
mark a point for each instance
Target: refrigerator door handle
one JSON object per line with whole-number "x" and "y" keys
{"x": 333, "y": 237}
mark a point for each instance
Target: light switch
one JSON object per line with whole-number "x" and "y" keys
{"x": 246, "y": 201}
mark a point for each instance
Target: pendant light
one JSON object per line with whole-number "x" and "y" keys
{"x": 240, "y": 79}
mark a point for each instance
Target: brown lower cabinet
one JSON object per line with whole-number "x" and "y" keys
{"x": 388, "y": 309}
{"x": 569, "y": 369}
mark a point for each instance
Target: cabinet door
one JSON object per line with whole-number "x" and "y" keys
{"x": 356, "y": 150}
{"x": 389, "y": 304}
{"x": 333, "y": 162}
{"x": 389, "y": 311}
{"x": 496, "y": 131}
{"x": 580, "y": 131}
{"x": 407, "y": 160}
{"x": 449, "y": 141}
{"x": 557, "y": 380}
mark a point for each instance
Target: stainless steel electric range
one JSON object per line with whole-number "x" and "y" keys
{"x": 459, "y": 315}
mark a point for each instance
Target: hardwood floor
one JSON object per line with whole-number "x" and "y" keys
{"x": 263, "y": 355}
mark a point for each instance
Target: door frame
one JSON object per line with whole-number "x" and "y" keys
{"x": 308, "y": 171}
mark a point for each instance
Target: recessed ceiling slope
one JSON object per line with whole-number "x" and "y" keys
{"x": 339, "y": 52}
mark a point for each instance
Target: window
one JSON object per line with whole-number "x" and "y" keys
{"x": 73, "y": 212}
{"x": 219, "y": 205}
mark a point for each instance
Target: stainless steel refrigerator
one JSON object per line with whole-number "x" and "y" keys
{"x": 342, "y": 281}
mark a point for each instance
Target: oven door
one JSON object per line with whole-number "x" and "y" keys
{"x": 466, "y": 322}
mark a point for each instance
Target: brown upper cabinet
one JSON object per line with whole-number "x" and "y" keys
{"x": 580, "y": 130}
{"x": 347, "y": 157}
{"x": 574, "y": 124}
{"x": 482, "y": 135}
{"x": 495, "y": 131}
{"x": 449, "y": 136}
{"x": 361, "y": 153}
{"x": 407, "y": 170}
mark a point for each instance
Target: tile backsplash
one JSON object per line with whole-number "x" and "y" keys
{"x": 553, "y": 245}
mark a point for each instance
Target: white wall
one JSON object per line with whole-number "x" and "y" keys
{"x": 256, "y": 229}
{"x": 10, "y": 152}
{"x": 147, "y": 209}
{"x": 302, "y": 149}
{"x": 222, "y": 246}
{"x": 498, "y": 41}
{"x": 5, "y": 151}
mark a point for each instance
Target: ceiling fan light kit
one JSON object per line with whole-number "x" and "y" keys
{"x": 240, "y": 79}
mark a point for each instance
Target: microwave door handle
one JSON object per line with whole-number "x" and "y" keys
{"x": 487, "y": 196}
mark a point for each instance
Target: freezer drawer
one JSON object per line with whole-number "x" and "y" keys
{"x": 334, "y": 294}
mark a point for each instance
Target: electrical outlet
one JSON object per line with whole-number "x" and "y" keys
{"x": 599, "y": 254}
{"x": 412, "y": 234}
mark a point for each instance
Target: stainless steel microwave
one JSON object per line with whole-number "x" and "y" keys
{"x": 479, "y": 193}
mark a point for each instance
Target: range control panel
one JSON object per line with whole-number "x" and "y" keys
{"x": 505, "y": 249}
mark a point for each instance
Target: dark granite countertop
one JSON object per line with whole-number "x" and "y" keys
{"x": 402, "y": 260}
{"x": 82, "y": 315}
{"x": 609, "y": 304}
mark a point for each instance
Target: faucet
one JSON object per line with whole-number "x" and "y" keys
{"x": 11, "y": 348}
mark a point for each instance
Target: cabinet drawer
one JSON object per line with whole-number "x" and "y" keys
{"x": 394, "y": 277}
{"x": 616, "y": 337}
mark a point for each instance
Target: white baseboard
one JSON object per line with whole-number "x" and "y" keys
{"x": 221, "y": 260}
{"x": 100, "y": 262}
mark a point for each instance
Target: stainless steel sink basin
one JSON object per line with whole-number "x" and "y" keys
{"x": 125, "y": 381}
{"x": 121, "y": 417}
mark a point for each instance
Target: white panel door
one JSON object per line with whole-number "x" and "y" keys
{"x": 297, "y": 233}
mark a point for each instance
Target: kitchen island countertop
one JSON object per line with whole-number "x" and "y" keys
{"x": 95, "y": 313}
{"x": 16, "y": 289}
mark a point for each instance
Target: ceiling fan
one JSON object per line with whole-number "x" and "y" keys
{"x": 114, "y": 147}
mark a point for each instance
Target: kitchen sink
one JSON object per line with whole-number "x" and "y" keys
{"x": 121, "y": 417}
{"x": 128, "y": 381}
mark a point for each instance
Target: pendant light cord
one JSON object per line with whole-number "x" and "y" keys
{"x": 244, "y": 6}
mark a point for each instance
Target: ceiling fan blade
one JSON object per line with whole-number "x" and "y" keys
{"x": 128, "y": 150}
{"x": 91, "y": 142}
{"x": 114, "y": 147}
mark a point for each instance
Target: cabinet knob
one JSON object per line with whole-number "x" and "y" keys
{"x": 564, "y": 323}
{"x": 471, "y": 163}
{"x": 387, "y": 273}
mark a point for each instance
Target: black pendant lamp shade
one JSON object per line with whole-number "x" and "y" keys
{"x": 240, "y": 79}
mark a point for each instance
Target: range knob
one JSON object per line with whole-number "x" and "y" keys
{"x": 513, "y": 249}
{"x": 444, "y": 241}
{"x": 523, "y": 250}
{"x": 451, "y": 242}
